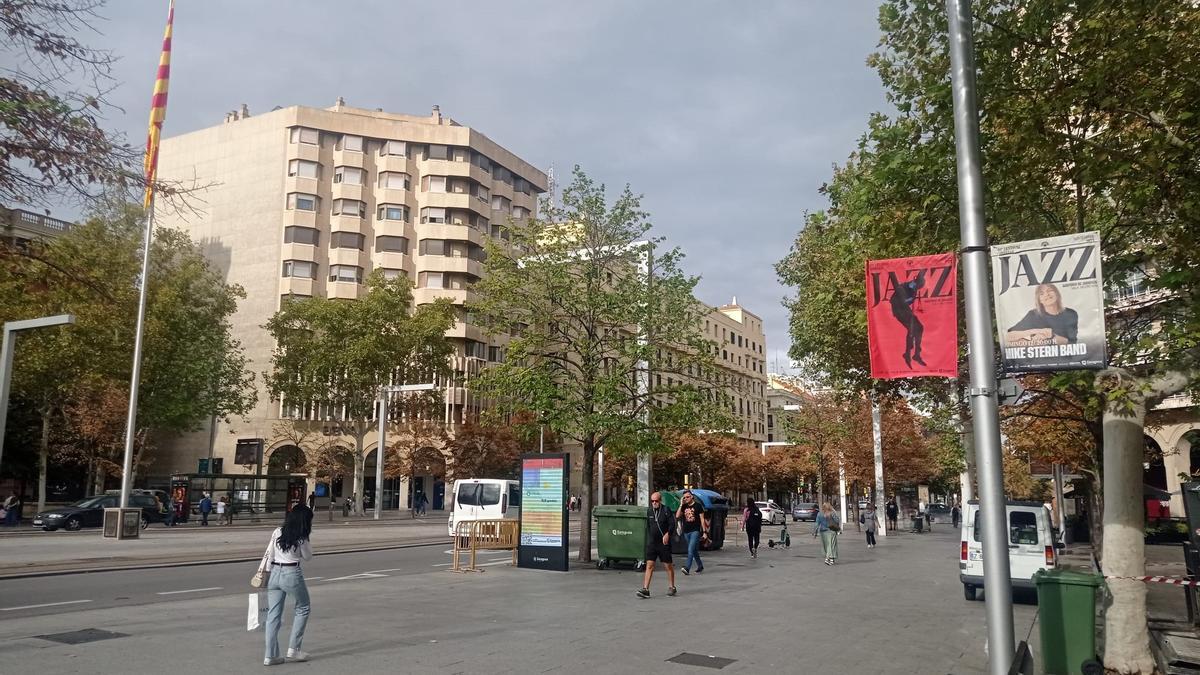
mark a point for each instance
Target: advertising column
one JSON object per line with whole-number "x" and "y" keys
{"x": 544, "y": 529}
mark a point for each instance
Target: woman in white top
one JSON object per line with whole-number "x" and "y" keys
{"x": 289, "y": 545}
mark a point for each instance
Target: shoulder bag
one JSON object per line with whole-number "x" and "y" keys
{"x": 263, "y": 574}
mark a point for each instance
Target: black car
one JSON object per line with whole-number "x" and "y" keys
{"x": 89, "y": 512}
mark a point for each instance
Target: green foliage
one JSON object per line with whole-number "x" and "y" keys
{"x": 572, "y": 291}
{"x": 191, "y": 366}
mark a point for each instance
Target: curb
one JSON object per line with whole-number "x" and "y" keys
{"x": 197, "y": 563}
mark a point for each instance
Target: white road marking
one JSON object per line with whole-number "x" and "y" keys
{"x": 48, "y": 604}
{"x": 364, "y": 575}
{"x": 312, "y": 578}
{"x": 394, "y": 569}
{"x": 191, "y": 590}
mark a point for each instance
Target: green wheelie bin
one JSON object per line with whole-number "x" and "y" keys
{"x": 1067, "y": 622}
{"x": 620, "y": 534}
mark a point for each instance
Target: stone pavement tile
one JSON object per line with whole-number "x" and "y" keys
{"x": 895, "y": 609}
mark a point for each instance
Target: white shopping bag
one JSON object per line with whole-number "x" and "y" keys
{"x": 254, "y": 614}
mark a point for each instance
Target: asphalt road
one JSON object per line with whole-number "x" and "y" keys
{"x": 65, "y": 593}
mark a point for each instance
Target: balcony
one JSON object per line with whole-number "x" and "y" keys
{"x": 347, "y": 191}
{"x": 465, "y": 330}
{"x": 304, "y": 151}
{"x": 346, "y": 290}
{"x": 424, "y": 296}
{"x": 297, "y": 217}
{"x": 434, "y": 263}
{"x": 393, "y": 163}
{"x": 296, "y": 286}
{"x": 455, "y": 200}
{"x": 347, "y": 256}
{"x": 347, "y": 158}
{"x": 295, "y": 251}
{"x": 346, "y": 224}
{"x": 395, "y": 196}
{"x": 394, "y": 228}
{"x": 452, "y": 232}
{"x": 300, "y": 184}
{"x": 445, "y": 167}
{"x": 393, "y": 260}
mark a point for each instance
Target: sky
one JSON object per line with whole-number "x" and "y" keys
{"x": 726, "y": 116}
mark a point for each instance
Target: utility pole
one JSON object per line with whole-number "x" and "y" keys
{"x": 997, "y": 583}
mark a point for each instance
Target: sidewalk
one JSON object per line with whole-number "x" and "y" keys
{"x": 896, "y": 609}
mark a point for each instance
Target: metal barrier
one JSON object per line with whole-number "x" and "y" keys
{"x": 483, "y": 535}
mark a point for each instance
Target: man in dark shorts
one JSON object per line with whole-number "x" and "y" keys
{"x": 658, "y": 547}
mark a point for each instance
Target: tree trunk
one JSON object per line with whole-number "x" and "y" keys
{"x": 360, "y": 468}
{"x": 585, "y": 521}
{"x": 43, "y": 459}
{"x": 1126, "y": 638}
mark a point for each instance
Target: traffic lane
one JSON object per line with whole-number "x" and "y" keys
{"x": 70, "y": 592}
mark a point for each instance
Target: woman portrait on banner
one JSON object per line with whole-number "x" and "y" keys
{"x": 1049, "y": 322}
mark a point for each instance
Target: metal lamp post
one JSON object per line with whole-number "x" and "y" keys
{"x": 383, "y": 417}
{"x": 11, "y": 328}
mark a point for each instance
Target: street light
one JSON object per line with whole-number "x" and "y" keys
{"x": 11, "y": 328}
{"x": 383, "y": 417}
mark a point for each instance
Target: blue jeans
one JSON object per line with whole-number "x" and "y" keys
{"x": 693, "y": 542}
{"x": 285, "y": 581}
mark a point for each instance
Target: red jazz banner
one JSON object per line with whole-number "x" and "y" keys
{"x": 912, "y": 316}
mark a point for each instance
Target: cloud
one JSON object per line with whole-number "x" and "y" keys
{"x": 726, "y": 116}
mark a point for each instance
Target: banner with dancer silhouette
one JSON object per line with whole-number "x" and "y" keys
{"x": 912, "y": 316}
{"x": 1050, "y": 303}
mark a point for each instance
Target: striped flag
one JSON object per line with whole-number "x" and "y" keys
{"x": 158, "y": 108}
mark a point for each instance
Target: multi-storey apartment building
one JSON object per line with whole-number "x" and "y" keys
{"x": 306, "y": 202}
{"x": 739, "y": 335}
{"x": 782, "y": 395}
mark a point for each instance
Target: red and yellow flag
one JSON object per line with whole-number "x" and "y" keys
{"x": 158, "y": 108}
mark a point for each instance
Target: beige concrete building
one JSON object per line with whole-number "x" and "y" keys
{"x": 306, "y": 202}
{"x": 19, "y": 227}
{"x": 782, "y": 393}
{"x": 743, "y": 347}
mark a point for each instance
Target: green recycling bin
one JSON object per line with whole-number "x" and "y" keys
{"x": 1067, "y": 621}
{"x": 620, "y": 534}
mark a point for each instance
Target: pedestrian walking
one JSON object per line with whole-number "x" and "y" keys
{"x": 423, "y": 504}
{"x": 870, "y": 522}
{"x": 12, "y": 510}
{"x": 221, "y": 506}
{"x": 658, "y": 547}
{"x": 694, "y": 523}
{"x": 206, "y": 507}
{"x": 288, "y": 547}
{"x": 752, "y": 523}
{"x": 169, "y": 520}
{"x": 827, "y": 526}
{"x": 346, "y": 507}
{"x": 956, "y": 516}
{"x": 893, "y": 512}
{"x": 312, "y": 501}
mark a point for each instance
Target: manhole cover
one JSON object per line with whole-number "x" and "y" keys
{"x": 688, "y": 659}
{"x": 78, "y": 637}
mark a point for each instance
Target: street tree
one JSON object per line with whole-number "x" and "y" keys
{"x": 589, "y": 317}
{"x": 484, "y": 451}
{"x": 332, "y": 357}
{"x": 192, "y": 367}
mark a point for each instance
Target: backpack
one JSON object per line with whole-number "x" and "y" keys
{"x": 754, "y": 519}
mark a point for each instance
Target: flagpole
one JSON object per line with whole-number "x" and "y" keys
{"x": 158, "y": 113}
{"x": 131, "y": 420}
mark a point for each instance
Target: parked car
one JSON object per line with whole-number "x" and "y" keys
{"x": 1031, "y": 545}
{"x": 771, "y": 512}
{"x": 939, "y": 513}
{"x": 804, "y": 511}
{"x": 89, "y": 512}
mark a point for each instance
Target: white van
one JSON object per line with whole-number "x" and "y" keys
{"x": 1031, "y": 545}
{"x": 484, "y": 499}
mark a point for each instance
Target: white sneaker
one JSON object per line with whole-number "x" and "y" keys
{"x": 297, "y": 655}
{"x": 273, "y": 662}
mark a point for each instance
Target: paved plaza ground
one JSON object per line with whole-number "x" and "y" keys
{"x": 898, "y": 608}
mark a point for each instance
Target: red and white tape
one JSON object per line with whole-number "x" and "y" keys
{"x": 1174, "y": 581}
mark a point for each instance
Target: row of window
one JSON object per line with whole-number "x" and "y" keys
{"x": 352, "y": 143}
{"x": 306, "y": 269}
{"x": 356, "y": 208}
{"x": 296, "y": 234}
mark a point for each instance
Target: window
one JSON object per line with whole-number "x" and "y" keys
{"x": 499, "y": 232}
{"x": 468, "y": 494}
{"x": 434, "y": 247}
{"x": 431, "y": 280}
{"x": 489, "y": 495}
{"x": 1022, "y": 527}
{"x": 436, "y": 152}
{"x": 479, "y": 223}
{"x": 301, "y": 201}
{"x": 478, "y": 253}
{"x": 501, "y": 203}
{"x": 391, "y": 244}
{"x": 350, "y": 143}
{"x": 389, "y": 273}
{"x": 302, "y": 269}
{"x": 302, "y": 168}
{"x": 301, "y": 235}
{"x": 345, "y": 273}
{"x": 433, "y": 215}
{"x": 306, "y": 136}
{"x": 394, "y": 148}
{"x": 394, "y": 180}
{"x": 495, "y": 355}
{"x": 520, "y": 212}
{"x": 349, "y": 207}
{"x": 393, "y": 212}
{"x": 346, "y": 240}
{"x": 483, "y": 163}
{"x": 481, "y": 193}
{"x": 349, "y": 175}
{"x": 433, "y": 183}
{"x": 502, "y": 174}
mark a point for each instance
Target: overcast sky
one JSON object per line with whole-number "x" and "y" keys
{"x": 727, "y": 116}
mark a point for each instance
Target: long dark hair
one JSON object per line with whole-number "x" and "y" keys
{"x": 297, "y": 525}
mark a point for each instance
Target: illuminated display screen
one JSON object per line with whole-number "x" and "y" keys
{"x": 542, "y": 503}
